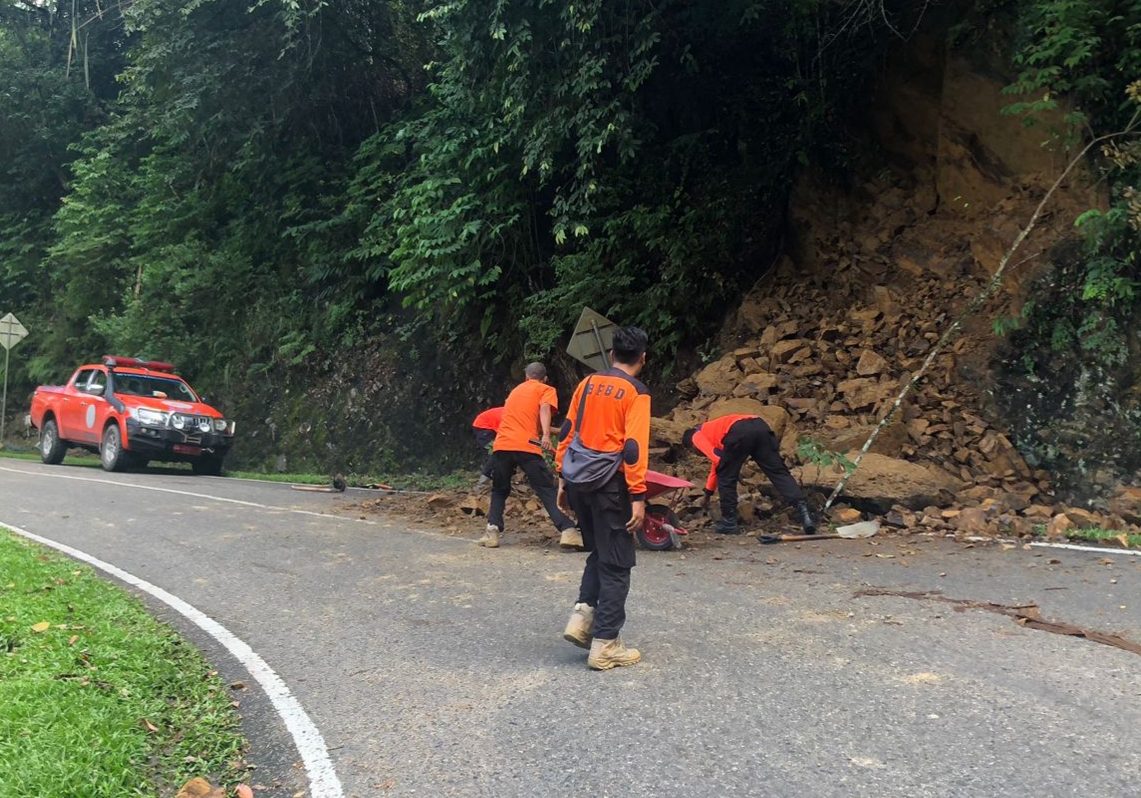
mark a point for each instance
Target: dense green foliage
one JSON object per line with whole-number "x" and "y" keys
{"x": 352, "y": 218}
{"x": 253, "y": 190}
{"x": 1081, "y": 64}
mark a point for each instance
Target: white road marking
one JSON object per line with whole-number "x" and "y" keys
{"x": 323, "y": 781}
{"x": 241, "y": 502}
{"x": 1092, "y": 549}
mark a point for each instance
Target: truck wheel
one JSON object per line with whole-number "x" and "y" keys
{"x": 111, "y": 454}
{"x": 208, "y": 465}
{"x": 52, "y": 449}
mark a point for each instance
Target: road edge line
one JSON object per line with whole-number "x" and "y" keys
{"x": 323, "y": 781}
{"x": 1091, "y": 549}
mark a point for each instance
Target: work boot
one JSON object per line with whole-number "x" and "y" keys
{"x": 490, "y": 538}
{"x": 580, "y": 626}
{"x": 571, "y": 540}
{"x": 806, "y": 519}
{"x": 481, "y": 483}
{"x": 607, "y": 654}
{"x": 727, "y": 526}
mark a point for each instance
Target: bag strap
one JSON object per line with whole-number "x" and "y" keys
{"x": 581, "y": 407}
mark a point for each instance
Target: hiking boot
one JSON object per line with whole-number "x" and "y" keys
{"x": 806, "y": 519}
{"x": 579, "y": 626}
{"x": 607, "y": 654}
{"x": 490, "y": 538}
{"x": 727, "y": 526}
{"x": 571, "y": 540}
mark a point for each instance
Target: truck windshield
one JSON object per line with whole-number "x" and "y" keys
{"x": 147, "y": 385}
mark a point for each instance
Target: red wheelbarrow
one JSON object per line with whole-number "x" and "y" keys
{"x": 661, "y": 527}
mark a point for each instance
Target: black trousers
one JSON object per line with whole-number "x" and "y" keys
{"x": 485, "y": 437}
{"x": 538, "y": 476}
{"x": 602, "y": 516}
{"x": 752, "y": 437}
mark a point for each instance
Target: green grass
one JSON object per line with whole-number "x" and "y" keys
{"x": 105, "y": 702}
{"x": 417, "y": 480}
{"x": 74, "y": 457}
{"x": 1103, "y": 535}
{"x": 300, "y": 479}
{"x": 1112, "y": 536}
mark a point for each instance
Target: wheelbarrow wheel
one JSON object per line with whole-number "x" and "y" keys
{"x": 653, "y": 534}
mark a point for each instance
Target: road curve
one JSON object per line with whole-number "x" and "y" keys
{"x": 433, "y": 667}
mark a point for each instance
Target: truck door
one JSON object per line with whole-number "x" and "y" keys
{"x": 79, "y": 411}
{"x": 97, "y": 401}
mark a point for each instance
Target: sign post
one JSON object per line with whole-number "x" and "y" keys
{"x": 592, "y": 338}
{"x": 11, "y": 333}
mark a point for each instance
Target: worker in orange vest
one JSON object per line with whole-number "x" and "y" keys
{"x": 603, "y": 451}
{"x": 729, "y": 441}
{"x": 524, "y": 434}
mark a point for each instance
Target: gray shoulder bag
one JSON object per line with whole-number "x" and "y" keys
{"x": 583, "y": 467}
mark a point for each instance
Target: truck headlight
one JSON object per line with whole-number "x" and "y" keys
{"x": 178, "y": 421}
{"x": 144, "y": 415}
{"x": 220, "y": 424}
{"x": 204, "y": 424}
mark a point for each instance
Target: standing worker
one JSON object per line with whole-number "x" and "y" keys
{"x": 602, "y": 456}
{"x": 524, "y": 434}
{"x": 731, "y": 440}
{"x": 486, "y": 427}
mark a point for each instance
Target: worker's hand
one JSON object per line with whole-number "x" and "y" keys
{"x": 637, "y": 516}
{"x": 561, "y": 500}
{"x": 546, "y": 444}
{"x": 705, "y": 497}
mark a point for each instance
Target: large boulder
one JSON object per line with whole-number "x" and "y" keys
{"x": 889, "y": 442}
{"x": 665, "y": 432}
{"x": 719, "y": 378}
{"x": 882, "y": 481}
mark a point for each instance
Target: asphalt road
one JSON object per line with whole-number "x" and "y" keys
{"x": 434, "y": 667}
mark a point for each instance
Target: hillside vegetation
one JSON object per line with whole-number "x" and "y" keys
{"x": 348, "y": 222}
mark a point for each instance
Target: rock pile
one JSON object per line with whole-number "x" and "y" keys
{"x": 822, "y": 350}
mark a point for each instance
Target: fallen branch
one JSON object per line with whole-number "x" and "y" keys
{"x": 1023, "y": 614}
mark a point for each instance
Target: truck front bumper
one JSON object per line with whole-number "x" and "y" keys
{"x": 164, "y": 443}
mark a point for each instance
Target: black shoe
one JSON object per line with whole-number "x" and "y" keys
{"x": 727, "y": 526}
{"x": 806, "y": 519}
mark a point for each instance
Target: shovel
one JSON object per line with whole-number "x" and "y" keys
{"x": 864, "y": 529}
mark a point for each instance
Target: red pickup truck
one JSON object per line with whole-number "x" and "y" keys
{"x": 130, "y": 412}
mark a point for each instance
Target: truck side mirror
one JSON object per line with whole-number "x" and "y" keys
{"x": 96, "y": 390}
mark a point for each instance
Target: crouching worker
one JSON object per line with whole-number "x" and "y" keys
{"x": 602, "y": 456}
{"x": 731, "y": 440}
{"x": 486, "y": 427}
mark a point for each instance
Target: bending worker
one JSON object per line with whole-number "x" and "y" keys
{"x": 486, "y": 427}
{"x": 731, "y": 440}
{"x": 524, "y": 434}
{"x": 602, "y": 456}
